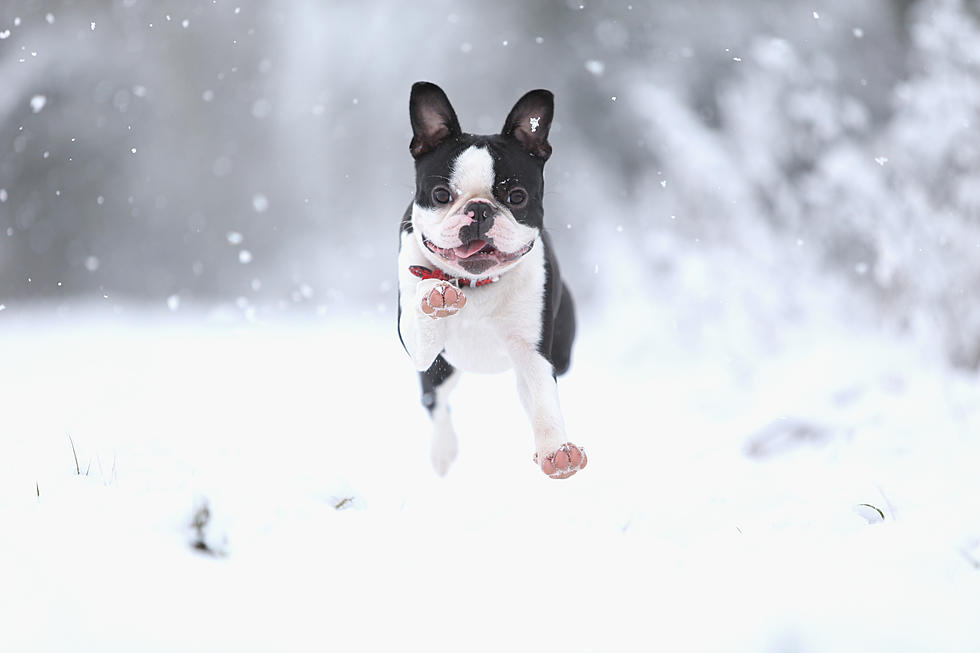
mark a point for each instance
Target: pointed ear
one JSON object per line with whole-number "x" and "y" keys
{"x": 433, "y": 118}
{"x": 530, "y": 120}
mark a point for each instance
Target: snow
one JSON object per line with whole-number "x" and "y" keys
{"x": 746, "y": 495}
{"x": 782, "y": 456}
{"x": 595, "y": 67}
{"x": 261, "y": 108}
{"x": 37, "y": 103}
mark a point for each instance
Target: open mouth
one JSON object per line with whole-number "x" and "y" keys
{"x": 477, "y": 256}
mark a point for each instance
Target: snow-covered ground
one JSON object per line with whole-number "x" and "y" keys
{"x": 729, "y": 505}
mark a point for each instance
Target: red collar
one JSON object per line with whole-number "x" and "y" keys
{"x": 423, "y": 272}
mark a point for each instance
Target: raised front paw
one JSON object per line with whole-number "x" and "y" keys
{"x": 563, "y": 462}
{"x": 442, "y": 300}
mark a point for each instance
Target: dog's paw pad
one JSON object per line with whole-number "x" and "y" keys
{"x": 563, "y": 462}
{"x": 442, "y": 301}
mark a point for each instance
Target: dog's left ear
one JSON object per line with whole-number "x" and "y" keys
{"x": 530, "y": 120}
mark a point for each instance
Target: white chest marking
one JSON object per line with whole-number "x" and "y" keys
{"x": 477, "y": 339}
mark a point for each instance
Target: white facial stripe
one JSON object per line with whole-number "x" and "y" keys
{"x": 473, "y": 173}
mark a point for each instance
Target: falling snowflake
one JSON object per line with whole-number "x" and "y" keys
{"x": 534, "y": 124}
{"x": 38, "y": 102}
{"x": 261, "y": 108}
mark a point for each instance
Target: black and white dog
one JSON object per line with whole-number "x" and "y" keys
{"x": 479, "y": 288}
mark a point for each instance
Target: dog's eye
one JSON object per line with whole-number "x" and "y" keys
{"x": 517, "y": 196}
{"x": 441, "y": 195}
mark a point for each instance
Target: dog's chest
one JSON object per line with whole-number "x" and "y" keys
{"x": 478, "y": 348}
{"x": 496, "y": 316}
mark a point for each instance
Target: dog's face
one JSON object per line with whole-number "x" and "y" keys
{"x": 478, "y": 199}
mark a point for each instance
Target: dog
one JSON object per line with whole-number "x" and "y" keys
{"x": 478, "y": 283}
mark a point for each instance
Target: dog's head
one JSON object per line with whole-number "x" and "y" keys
{"x": 478, "y": 199}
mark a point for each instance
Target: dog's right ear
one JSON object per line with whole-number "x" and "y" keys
{"x": 433, "y": 118}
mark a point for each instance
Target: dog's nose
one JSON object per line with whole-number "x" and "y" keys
{"x": 480, "y": 211}
{"x": 482, "y": 214}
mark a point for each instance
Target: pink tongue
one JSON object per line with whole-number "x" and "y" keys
{"x": 470, "y": 249}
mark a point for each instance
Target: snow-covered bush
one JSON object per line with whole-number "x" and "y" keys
{"x": 803, "y": 163}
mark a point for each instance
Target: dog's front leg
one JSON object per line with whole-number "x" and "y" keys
{"x": 424, "y": 309}
{"x": 538, "y": 390}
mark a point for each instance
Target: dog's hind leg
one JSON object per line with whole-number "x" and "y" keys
{"x": 437, "y": 382}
